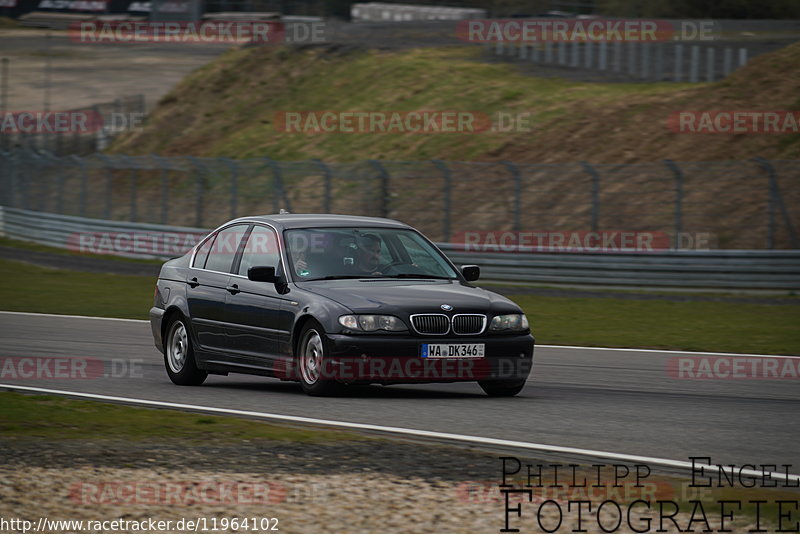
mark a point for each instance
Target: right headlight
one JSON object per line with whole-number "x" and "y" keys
{"x": 372, "y": 323}
{"x": 515, "y": 322}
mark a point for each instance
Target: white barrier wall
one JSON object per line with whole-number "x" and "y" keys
{"x": 379, "y": 12}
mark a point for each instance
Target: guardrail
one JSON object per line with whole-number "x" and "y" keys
{"x": 715, "y": 269}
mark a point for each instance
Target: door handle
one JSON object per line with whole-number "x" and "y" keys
{"x": 233, "y": 289}
{"x": 193, "y": 282}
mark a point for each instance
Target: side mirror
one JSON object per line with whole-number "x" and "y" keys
{"x": 262, "y": 274}
{"x": 471, "y": 272}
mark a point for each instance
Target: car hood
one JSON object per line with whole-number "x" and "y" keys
{"x": 411, "y": 296}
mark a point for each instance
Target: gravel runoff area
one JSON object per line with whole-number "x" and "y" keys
{"x": 351, "y": 486}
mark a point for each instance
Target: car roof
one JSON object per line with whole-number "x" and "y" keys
{"x": 287, "y": 221}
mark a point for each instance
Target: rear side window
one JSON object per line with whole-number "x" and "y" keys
{"x": 202, "y": 253}
{"x": 223, "y": 249}
{"x": 261, "y": 250}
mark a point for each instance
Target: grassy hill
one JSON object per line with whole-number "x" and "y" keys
{"x": 228, "y": 108}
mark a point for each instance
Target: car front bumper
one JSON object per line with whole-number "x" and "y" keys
{"x": 398, "y": 359}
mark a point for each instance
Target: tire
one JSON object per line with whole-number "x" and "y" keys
{"x": 502, "y": 388}
{"x": 312, "y": 349}
{"x": 179, "y": 355}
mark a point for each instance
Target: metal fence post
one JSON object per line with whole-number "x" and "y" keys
{"x": 645, "y": 60}
{"x": 602, "y": 58}
{"x": 710, "y": 64}
{"x": 200, "y": 172}
{"x": 775, "y": 201}
{"x": 659, "y": 74}
{"x": 694, "y": 64}
{"x": 13, "y": 179}
{"x": 727, "y": 62}
{"x": 234, "y": 182}
{"x": 447, "y": 196}
{"x": 517, "y": 194}
{"x": 134, "y": 187}
{"x": 562, "y": 53}
{"x": 84, "y": 184}
{"x": 588, "y": 59}
{"x": 678, "y": 73}
{"x": 164, "y": 178}
{"x": 383, "y": 176}
{"x": 326, "y": 176}
{"x": 595, "y": 194}
{"x": 678, "y": 228}
{"x": 278, "y": 191}
{"x": 632, "y": 58}
{"x": 617, "y": 56}
{"x": 109, "y": 184}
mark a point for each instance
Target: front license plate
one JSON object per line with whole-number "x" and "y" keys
{"x": 452, "y": 350}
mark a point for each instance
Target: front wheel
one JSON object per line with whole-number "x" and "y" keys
{"x": 502, "y": 388}
{"x": 179, "y": 355}
{"x": 312, "y": 354}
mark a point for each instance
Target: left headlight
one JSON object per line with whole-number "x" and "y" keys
{"x": 372, "y": 323}
{"x": 516, "y": 322}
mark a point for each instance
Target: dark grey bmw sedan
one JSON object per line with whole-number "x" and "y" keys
{"x": 331, "y": 300}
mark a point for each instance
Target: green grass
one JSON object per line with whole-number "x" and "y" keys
{"x": 38, "y": 289}
{"x": 28, "y": 245}
{"x": 608, "y": 322}
{"x": 51, "y": 417}
{"x": 696, "y": 325}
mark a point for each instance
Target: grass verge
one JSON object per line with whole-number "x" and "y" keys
{"x": 697, "y": 325}
{"x": 32, "y": 288}
{"x": 58, "y": 418}
{"x": 36, "y": 247}
{"x": 608, "y": 322}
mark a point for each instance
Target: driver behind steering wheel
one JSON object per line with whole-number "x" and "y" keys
{"x": 368, "y": 254}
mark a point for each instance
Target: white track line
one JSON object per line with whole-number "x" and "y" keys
{"x": 403, "y": 431}
{"x": 538, "y": 346}
{"x": 64, "y": 316}
{"x": 744, "y": 355}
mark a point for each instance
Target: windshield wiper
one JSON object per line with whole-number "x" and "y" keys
{"x": 412, "y": 275}
{"x": 337, "y": 277}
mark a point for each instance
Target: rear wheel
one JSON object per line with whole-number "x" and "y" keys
{"x": 502, "y": 388}
{"x": 311, "y": 355}
{"x": 179, "y": 355}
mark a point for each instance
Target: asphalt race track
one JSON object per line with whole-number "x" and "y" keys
{"x": 602, "y": 399}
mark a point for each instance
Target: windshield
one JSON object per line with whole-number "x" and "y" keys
{"x": 330, "y": 253}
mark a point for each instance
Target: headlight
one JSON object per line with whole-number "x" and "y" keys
{"x": 516, "y": 322}
{"x": 372, "y": 323}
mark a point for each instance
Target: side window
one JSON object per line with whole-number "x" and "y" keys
{"x": 202, "y": 253}
{"x": 261, "y": 250}
{"x": 222, "y": 252}
{"x": 419, "y": 256}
